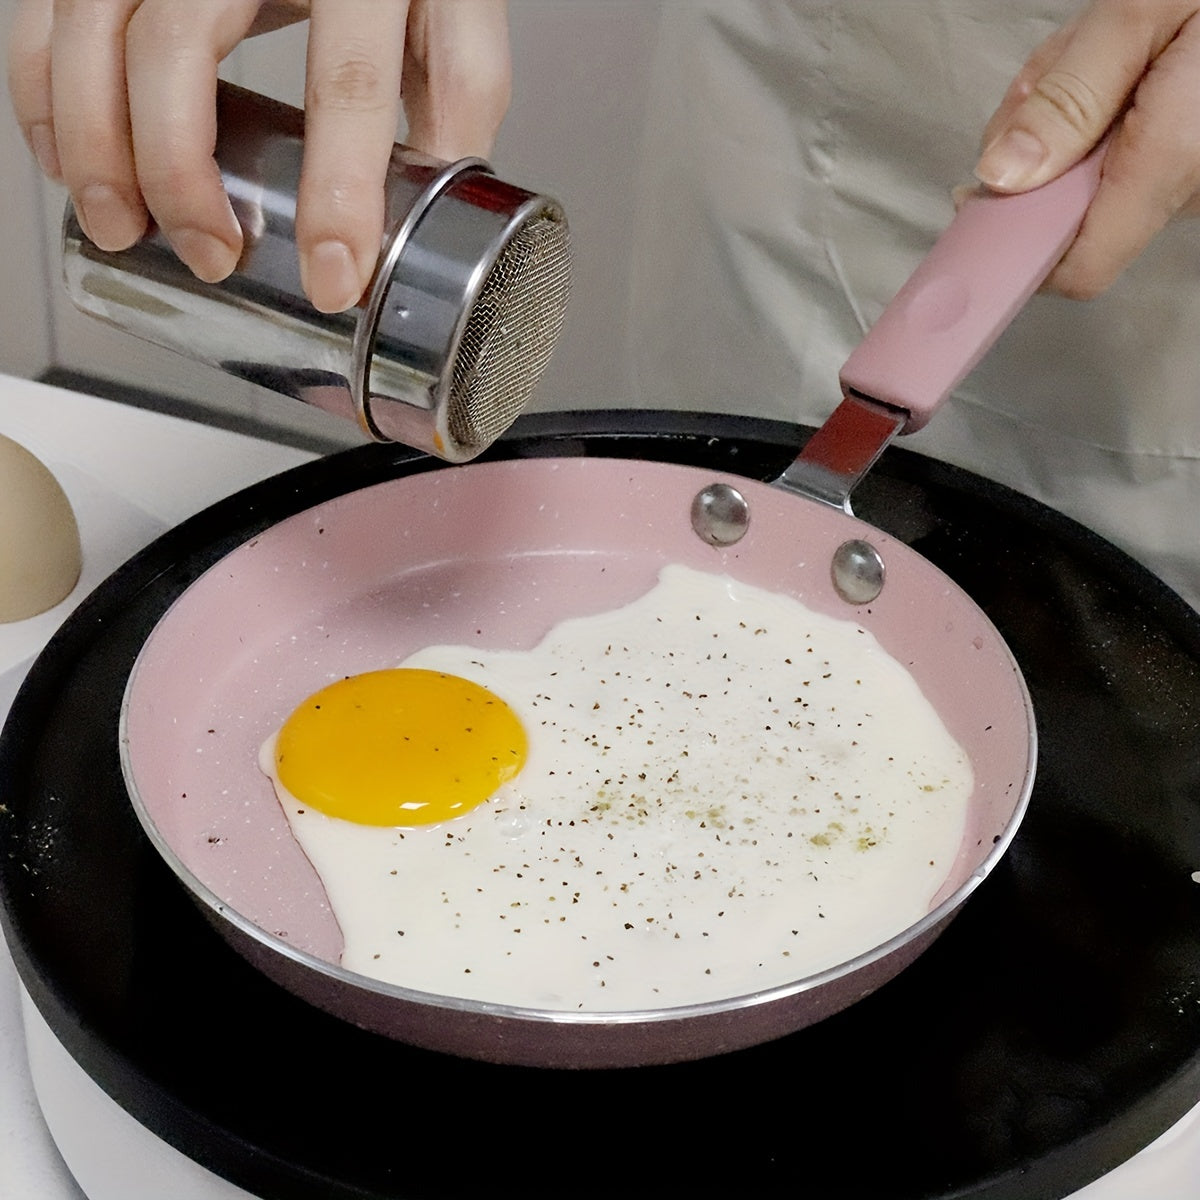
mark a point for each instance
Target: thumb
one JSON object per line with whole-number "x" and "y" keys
{"x": 1059, "y": 122}
{"x": 1064, "y": 101}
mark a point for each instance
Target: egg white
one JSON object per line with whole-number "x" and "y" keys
{"x": 725, "y": 791}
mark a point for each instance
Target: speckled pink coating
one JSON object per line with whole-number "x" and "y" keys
{"x": 494, "y": 555}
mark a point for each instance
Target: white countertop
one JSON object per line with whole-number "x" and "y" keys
{"x": 130, "y": 475}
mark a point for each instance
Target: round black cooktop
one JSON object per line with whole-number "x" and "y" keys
{"x": 1049, "y": 1034}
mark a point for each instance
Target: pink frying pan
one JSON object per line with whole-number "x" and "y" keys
{"x": 495, "y": 554}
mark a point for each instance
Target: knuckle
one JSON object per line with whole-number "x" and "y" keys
{"x": 164, "y": 181}
{"x": 355, "y": 84}
{"x": 340, "y": 196}
{"x": 28, "y": 43}
{"x": 474, "y": 99}
{"x": 485, "y": 73}
{"x": 176, "y": 189}
{"x": 75, "y": 10}
{"x": 93, "y": 17}
{"x": 91, "y": 153}
{"x": 1075, "y": 102}
{"x": 28, "y": 84}
{"x": 491, "y": 93}
{"x": 157, "y": 30}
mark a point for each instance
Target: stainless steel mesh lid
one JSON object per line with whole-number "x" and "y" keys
{"x": 510, "y": 332}
{"x": 466, "y": 321}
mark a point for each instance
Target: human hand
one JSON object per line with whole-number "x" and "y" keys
{"x": 1134, "y": 66}
{"x": 117, "y": 99}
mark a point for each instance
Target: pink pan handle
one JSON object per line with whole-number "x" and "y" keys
{"x": 993, "y": 256}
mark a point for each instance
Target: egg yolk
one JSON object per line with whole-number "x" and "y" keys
{"x": 399, "y": 747}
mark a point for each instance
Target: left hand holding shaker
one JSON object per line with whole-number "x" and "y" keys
{"x": 126, "y": 117}
{"x": 459, "y": 280}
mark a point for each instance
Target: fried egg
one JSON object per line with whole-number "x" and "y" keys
{"x": 705, "y": 793}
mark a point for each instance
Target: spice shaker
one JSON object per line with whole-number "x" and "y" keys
{"x": 447, "y": 343}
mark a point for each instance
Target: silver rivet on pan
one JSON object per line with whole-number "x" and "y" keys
{"x": 857, "y": 571}
{"x": 720, "y": 514}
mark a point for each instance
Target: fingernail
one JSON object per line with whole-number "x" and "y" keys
{"x": 331, "y": 278}
{"x": 45, "y": 150}
{"x": 107, "y": 217}
{"x": 207, "y": 257}
{"x": 1011, "y": 162}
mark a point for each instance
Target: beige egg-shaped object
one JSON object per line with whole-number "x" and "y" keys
{"x": 40, "y": 555}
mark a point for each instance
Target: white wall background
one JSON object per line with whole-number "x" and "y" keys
{"x": 573, "y": 131}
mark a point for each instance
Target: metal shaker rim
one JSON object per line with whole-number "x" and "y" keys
{"x": 365, "y": 328}
{"x": 462, "y": 312}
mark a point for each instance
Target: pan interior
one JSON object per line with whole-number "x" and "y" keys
{"x": 494, "y": 555}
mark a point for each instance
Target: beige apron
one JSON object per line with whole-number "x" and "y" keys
{"x": 797, "y": 161}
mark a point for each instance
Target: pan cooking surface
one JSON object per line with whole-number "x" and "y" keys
{"x": 1051, "y": 1031}
{"x": 494, "y": 558}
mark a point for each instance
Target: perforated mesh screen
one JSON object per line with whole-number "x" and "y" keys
{"x": 510, "y": 332}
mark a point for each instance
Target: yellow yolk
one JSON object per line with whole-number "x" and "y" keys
{"x": 399, "y": 747}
